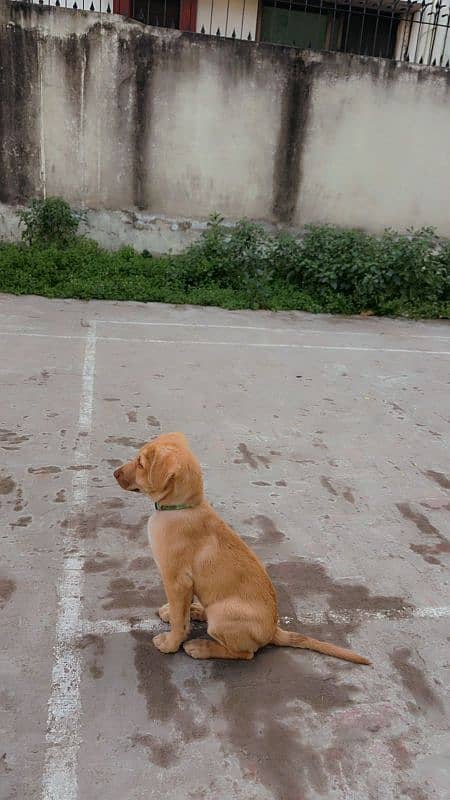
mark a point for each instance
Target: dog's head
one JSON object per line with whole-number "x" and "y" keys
{"x": 165, "y": 470}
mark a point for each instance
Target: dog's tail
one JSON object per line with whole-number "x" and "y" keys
{"x": 291, "y": 639}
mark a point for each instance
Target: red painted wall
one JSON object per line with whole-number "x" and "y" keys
{"x": 188, "y": 15}
{"x": 122, "y": 7}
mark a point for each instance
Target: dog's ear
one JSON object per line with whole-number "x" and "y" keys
{"x": 162, "y": 467}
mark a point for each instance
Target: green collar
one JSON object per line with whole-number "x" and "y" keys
{"x": 179, "y": 507}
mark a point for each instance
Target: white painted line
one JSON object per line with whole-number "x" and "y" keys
{"x": 59, "y": 780}
{"x": 212, "y": 343}
{"x": 347, "y": 616}
{"x": 103, "y": 627}
{"x": 432, "y": 613}
{"x": 294, "y": 346}
{"x": 41, "y": 335}
{"x": 299, "y": 331}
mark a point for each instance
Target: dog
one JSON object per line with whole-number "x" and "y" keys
{"x": 199, "y": 555}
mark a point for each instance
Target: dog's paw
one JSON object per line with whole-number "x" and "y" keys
{"x": 164, "y": 613}
{"x": 197, "y": 648}
{"x": 166, "y": 643}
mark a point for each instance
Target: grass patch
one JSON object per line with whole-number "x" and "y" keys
{"x": 326, "y": 270}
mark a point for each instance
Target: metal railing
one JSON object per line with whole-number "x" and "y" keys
{"x": 103, "y": 6}
{"x": 402, "y": 30}
{"x": 160, "y": 13}
{"x": 424, "y": 37}
{"x": 234, "y": 19}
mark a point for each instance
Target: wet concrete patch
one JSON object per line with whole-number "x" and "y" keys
{"x": 95, "y": 647}
{"x": 162, "y": 753}
{"x": 164, "y": 700}
{"x": 50, "y": 470}
{"x": 436, "y": 505}
{"x": 347, "y": 493}
{"x": 132, "y": 416}
{"x": 269, "y": 533}
{"x": 300, "y": 578}
{"x": 267, "y": 738}
{"x": 141, "y": 563}
{"x": 438, "y": 477}
{"x": 101, "y": 563}
{"x": 7, "y": 484}
{"x": 431, "y": 550}
{"x": 421, "y": 522}
{"x": 105, "y": 515}
{"x": 430, "y": 553}
{"x": 125, "y": 441}
{"x": 251, "y": 459}
{"x": 123, "y": 593}
{"x": 4, "y": 765}
{"x": 7, "y": 588}
{"x": 112, "y": 462}
{"x": 137, "y": 531}
{"x": 153, "y": 422}
{"x": 414, "y": 793}
{"x": 113, "y": 502}
{"x": 349, "y": 496}
{"x": 355, "y": 733}
{"x": 154, "y": 678}
{"x": 326, "y": 483}
{"x": 86, "y": 525}
{"x": 400, "y": 412}
{"x": 12, "y": 437}
{"x": 415, "y": 681}
{"x": 402, "y": 757}
{"x": 41, "y": 379}
{"x": 60, "y": 496}
{"x": 20, "y": 503}
{"x": 22, "y": 522}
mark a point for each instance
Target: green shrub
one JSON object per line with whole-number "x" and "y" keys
{"x": 326, "y": 270}
{"x": 49, "y": 220}
{"x": 370, "y": 271}
{"x": 227, "y": 256}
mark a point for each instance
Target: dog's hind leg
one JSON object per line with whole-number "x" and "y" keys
{"x": 233, "y": 638}
{"x": 205, "y": 648}
{"x": 196, "y": 612}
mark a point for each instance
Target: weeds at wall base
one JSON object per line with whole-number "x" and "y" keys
{"x": 327, "y": 270}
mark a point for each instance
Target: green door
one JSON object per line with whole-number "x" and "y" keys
{"x": 293, "y": 28}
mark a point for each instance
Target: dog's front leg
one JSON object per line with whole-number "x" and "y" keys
{"x": 179, "y": 594}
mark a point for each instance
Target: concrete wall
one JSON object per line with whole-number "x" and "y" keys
{"x": 117, "y": 117}
{"x": 114, "y": 229}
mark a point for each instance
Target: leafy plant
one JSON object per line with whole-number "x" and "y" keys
{"x": 327, "y": 269}
{"x": 49, "y": 220}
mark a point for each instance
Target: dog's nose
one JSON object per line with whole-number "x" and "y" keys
{"x": 117, "y": 472}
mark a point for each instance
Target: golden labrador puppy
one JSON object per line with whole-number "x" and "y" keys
{"x": 199, "y": 555}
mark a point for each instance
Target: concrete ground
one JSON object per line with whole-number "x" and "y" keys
{"x": 324, "y": 443}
